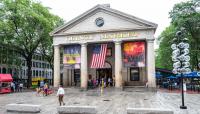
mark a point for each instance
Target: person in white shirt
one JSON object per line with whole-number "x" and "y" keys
{"x": 21, "y": 86}
{"x": 60, "y": 94}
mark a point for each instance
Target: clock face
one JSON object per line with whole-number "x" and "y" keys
{"x": 99, "y": 22}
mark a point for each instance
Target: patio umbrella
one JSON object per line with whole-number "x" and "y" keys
{"x": 158, "y": 75}
{"x": 172, "y": 77}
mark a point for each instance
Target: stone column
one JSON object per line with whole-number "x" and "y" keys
{"x": 151, "y": 63}
{"x": 118, "y": 64}
{"x": 84, "y": 66}
{"x": 70, "y": 77}
{"x": 65, "y": 77}
{"x": 56, "y": 66}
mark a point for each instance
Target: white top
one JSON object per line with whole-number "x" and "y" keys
{"x": 20, "y": 85}
{"x": 61, "y": 91}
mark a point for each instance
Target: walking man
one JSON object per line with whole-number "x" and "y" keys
{"x": 60, "y": 95}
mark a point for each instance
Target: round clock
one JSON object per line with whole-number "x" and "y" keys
{"x": 99, "y": 22}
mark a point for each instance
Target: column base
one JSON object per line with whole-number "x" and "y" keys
{"x": 183, "y": 107}
{"x": 83, "y": 89}
{"x": 152, "y": 89}
{"x": 118, "y": 88}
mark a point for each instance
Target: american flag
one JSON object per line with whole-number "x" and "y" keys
{"x": 99, "y": 55}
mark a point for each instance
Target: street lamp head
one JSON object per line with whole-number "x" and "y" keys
{"x": 185, "y": 39}
{"x": 175, "y": 40}
{"x": 179, "y": 33}
{"x": 173, "y": 46}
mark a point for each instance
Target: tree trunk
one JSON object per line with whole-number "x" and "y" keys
{"x": 29, "y": 65}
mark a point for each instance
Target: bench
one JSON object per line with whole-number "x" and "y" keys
{"x": 23, "y": 108}
{"x": 77, "y": 110}
{"x": 148, "y": 111}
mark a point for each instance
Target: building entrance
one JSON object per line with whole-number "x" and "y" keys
{"x": 77, "y": 77}
{"x": 104, "y": 73}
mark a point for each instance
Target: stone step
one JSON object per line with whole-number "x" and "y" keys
{"x": 134, "y": 86}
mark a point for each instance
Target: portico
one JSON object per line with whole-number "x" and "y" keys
{"x": 103, "y": 25}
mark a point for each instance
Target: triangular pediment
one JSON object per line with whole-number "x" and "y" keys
{"x": 113, "y": 21}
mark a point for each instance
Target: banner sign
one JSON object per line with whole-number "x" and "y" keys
{"x": 72, "y": 55}
{"x": 134, "y": 54}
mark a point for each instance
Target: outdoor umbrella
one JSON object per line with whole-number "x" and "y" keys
{"x": 172, "y": 77}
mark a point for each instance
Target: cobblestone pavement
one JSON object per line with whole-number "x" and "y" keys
{"x": 111, "y": 102}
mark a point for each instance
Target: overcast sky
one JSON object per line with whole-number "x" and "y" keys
{"x": 152, "y": 10}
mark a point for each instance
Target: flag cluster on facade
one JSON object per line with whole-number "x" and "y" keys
{"x": 99, "y": 56}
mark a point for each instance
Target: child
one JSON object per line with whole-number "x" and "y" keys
{"x": 60, "y": 94}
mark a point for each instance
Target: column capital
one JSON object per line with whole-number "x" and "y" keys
{"x": 57, "y": 46}
{"x": 118, "y": 42}
{"x": 150, "y": 40}
{"x": 83, "y": 44}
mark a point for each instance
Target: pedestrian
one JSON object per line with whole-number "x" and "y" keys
{"x": 146, "y": 83}
{"x": 17, "y": 86}
{"x": 12, "y": 86}
{"x": 109, "y": 82}
{"x": 60, "y": 94}
{"x": 46, "y": 89}
{"x": 41, "y": 84}
{"x": 20, "y": 86}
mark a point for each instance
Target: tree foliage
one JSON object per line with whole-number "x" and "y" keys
{"x": 186, "y": 15}
{"x": 163, "y": 59}
{"x": 25, "y": 26}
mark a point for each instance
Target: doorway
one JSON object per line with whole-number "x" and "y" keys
{"x": 77, "y": 79}
{"x": 104, "y": 73}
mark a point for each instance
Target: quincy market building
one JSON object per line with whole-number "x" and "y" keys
{"x": 129, "y": 57}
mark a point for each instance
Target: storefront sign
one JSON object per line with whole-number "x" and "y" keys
{"x": 134, "y": 54}
{"x": 71, "y": 54}
{"x": 103, "y": 36}
{"x": 79, "y": 38}
{"x": 119, "y": 35}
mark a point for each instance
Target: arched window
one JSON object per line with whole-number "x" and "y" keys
{"x": 4, "y": 71}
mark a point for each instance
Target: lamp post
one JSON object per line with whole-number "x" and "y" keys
{"x": 181, "y": 58}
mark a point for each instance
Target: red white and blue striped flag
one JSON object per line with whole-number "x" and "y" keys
{"x": 99, "y": 56}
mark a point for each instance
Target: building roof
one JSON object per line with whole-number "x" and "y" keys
{"x": 104, "y": 8}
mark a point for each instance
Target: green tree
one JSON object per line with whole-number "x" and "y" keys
{"x": 187, "y": 15}
{"x": 163, "y": 58}
{"x": 184, "y": 14}
{"x": 25, "y": 25}
{"x": 46, "y": 47}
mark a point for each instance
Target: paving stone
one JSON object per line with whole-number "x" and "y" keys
{"x": 119, "y": 101}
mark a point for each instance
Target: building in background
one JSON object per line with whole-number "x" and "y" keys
{"x": 13, "y": 63}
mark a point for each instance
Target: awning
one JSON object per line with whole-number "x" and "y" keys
{"x": 6, "y": 78}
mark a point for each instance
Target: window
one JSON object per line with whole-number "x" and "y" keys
{"x": 36, "y": 73}
{"x": 4, "y": 71}
{"x": 5, "y": 85}
{"x": 40, "y": 73}
{"x": 9, "y": 70}
{"x": 134, "y": 74}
